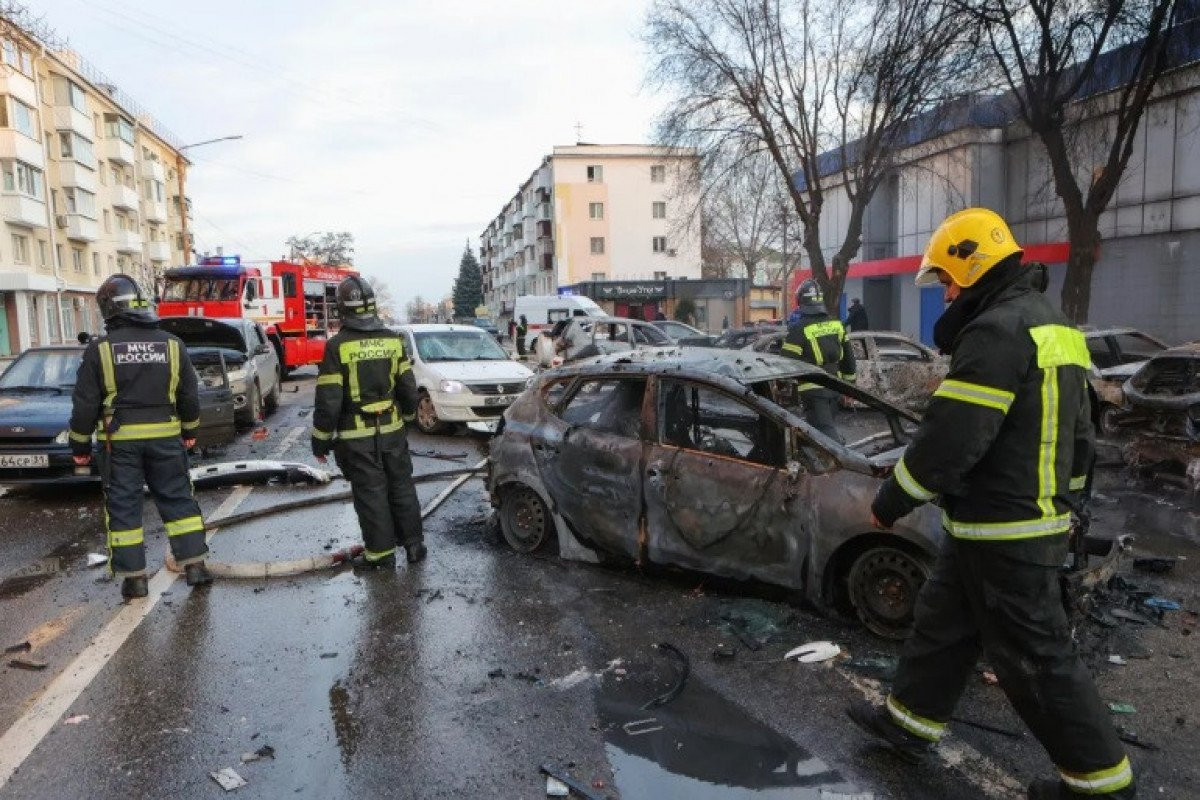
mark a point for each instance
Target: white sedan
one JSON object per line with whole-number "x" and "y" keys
{"x": 463, "y": 377}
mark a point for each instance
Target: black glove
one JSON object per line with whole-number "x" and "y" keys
{"x": 321, "y": 447}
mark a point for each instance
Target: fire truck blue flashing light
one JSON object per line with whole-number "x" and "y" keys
{"x": 221, "y": 261}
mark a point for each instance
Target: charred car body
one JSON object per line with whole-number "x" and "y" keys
{"x": 1164, "y": 412}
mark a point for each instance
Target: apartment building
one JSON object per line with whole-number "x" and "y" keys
{"x": 593, "y": 214}
{"x": 91, "y": 186}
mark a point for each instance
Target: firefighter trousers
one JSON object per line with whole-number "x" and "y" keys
{"x": 820, "y": 410}
{"x": 380, "y": 470}
{"x": 161, "y": 465}
{"x": 989, "y": 597}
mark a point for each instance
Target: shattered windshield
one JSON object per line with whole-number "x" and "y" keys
{"x": 458, "y": 346}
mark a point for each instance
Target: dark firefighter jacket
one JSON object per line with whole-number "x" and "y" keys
{"x": 819, "y": 340}
{"x": 365, "y": 387}
{"x": 1007, "y": 436}
{"x": 134, "y": 383}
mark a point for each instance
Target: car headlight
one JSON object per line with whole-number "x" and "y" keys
{"x": 452, "y": 387}
{"x": 63, "y": 438}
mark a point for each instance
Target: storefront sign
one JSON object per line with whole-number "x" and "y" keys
{"x": 631, "y": 291}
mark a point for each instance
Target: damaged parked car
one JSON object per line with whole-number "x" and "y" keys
{"x": 891, "y": 365}
{"x": 1164, "y": 413}
{"x": 1117, "y": 353}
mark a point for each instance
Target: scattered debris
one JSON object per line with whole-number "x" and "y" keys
{"x": 21, "y": 647}
{"x": 260, "y": 434}
{"x": 572, "y": 784}
{"x": 556, "y": 788}
{"x": 96, "y": 559}
{"x": 442, "y": 456}
{"x": 1155, "y": 565}
{"x": 989, "y": 677}
{"x": 496, "y": 673}
{"x": 31, "y": 664}
{"x": 638, "y": 727}
{"x": 681, "y": 677}
{"x": 75, "y": 720}
{"x": 245, "y": 473}
{"x": 437, "y": 595}
{"x": 1121, "y": 708}
{"x": 1161, "y": 603}
{"x": 227, "y": 779}
{"x": 1118, "y": 660}
{"x": 724, "y": 652}
{"x": 876, "y": 665}
{"x": 266, "y": 751}
{"x": 329, "y": 655}
{"x": 1129, "y": 737}
{"x": 813, "y": 652}
{"x": 1131, "y": 616}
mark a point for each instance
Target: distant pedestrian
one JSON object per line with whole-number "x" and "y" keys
{"x": 856, "y": 317}
{"x": 725, "y": 322}
{"x": 522, "y": 332}
{"x": 512, "y": 330}
{"x": 660, "y": 316}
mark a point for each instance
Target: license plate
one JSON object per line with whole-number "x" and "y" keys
{"x": 25, "y": 461}
{"x": 504, "y": 400}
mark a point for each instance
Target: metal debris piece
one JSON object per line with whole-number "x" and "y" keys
{"x": 21, "y": 647}
{"x": 256, "y": 471}
{"x": 1121, "y": 708}
{"x": 31, "y": 664}
{"x": 266, "y": 751}
{"x": 75, "y": 720}
{"x": 329, "y": 655}
{"x": 1161, "y": 603}
{"x": 556, "y": 788}
{"x": 813, "y": 652}
{"x": 639, "y": 727}
{"x": 1118, "y": 660}
{"x": 685, "y": 669}
{"x": 572, "y": 784}
{"x": 1155, "y": 565}
{"x": 1129, "y": 737}
{"x": 96, "y": 559}
{"x": 227, "y": 779}
{"x": 1131, "y": 616}
{"x": 876, "y": 665}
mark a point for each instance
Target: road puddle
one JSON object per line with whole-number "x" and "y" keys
{"x": 702, "y": 746}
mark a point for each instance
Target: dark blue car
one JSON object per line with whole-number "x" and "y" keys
{"x": 35, "y": 411}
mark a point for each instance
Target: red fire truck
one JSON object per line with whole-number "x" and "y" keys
{"x": 295, "y": 303}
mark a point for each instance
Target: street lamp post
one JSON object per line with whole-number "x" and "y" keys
{"x": 183, "y": 220}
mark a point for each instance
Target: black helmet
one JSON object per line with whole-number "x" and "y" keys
{"x": 356, "y": 304}
{"x": 809, "y": 295}
{"x": 120, "y": 296}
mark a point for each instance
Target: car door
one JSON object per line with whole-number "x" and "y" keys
{"x": 217, "y": 422}
{"x": 907, "y": 373}
{"x": 267, "y": 363}
{"x": 719, "y": 497}
{"x": 590, "y": 458}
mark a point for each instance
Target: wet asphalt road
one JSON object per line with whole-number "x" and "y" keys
{"x": 460, "y": 677}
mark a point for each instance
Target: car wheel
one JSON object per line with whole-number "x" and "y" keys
{"x": 427, "y": 418}
{"x": 252, "y": 414}
{"x": 884, "y": 583}
{"x": 273, "y": 398}
{"x": 525, "y": 521}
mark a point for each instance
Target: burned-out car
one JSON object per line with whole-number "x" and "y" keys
{"x": 899, "y": 369}
{"x": 1117, "y": 353}
{"x": 700, "y": 459}
{"x": 1164, "y": 411}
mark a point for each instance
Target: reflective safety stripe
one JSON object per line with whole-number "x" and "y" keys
{"x": 374, "y": 555}
{"x": 322, "y": 435}
{"x": 1078, "y": 483}
{"x": 1102, "y": 781}
{"x": 125, "y": 538}
{"x": 847, "y": 376}
{"x": 173, "y": 363}
{"x": 190, "y": 425}
{"x": 332, "y": 379}
{"x": 378, "y": 408}
{"x": 918, "y": 726}
{"x": 353, "y": 353}
{"x": 1060, "y": 346}
{"x": 976, "y": 393}
{"x": 808, "y": 387}
{"x": 1024, "y": 529}
{"x": 818, "y": 330}
{"x": 405, "y": 366}
{"x": 364, "y": 432}
{"x": 788, "y": 347}
{"x": 145, "y": 430}
{"x": 178, "y": 527}
{"x": 110, "y": 376}
{"x": 1048, "y": 450}
{"x": 911, "y": 485}
{"x": 79, "y": 437}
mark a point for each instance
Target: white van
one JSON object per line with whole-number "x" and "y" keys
{"x": 543, "y": 310}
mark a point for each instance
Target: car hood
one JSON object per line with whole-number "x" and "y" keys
{"x": 478, "y": 371}
{"x": 1121, "y": 371}
{"x": 40, "y": 414}
{"x": 203, "y": 332}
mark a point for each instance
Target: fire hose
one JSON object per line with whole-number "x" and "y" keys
{"x": 279, "y": 569}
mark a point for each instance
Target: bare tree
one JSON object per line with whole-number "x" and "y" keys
{"x": 331, "y": 247}
{"x": 1051, "y": 54}
{"x": 822, "y": 89}
{"x": 419, "y": 310}
{"x": 385, "y": 301}
{"x": 742, "y": 223}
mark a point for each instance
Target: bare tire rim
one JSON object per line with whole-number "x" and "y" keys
{"x": 524, "y": 518}
{"x": 884, "y": 583}
{"x": 427, "y": 418}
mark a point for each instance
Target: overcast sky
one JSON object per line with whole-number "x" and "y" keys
{"x": 407, "y": 123}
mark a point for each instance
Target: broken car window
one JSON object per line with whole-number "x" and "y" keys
{"x": 702, "y": 419}
{"x": 608, "y": 405}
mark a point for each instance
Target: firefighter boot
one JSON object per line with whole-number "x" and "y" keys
{"x": 197, "y": 574}
{"x": 135, "y": 586}
{"x": 416, "y": 552}
{"x": 876, "y": 721}
{"x": 361, "y": 562}
{"x": 1052, "y": 789}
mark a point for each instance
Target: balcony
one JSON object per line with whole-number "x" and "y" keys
{"x": 154, "y": 170}
{"x": 19, "y": 86}
{"x": 154, "y": 212}
{"x": 543, "y": 211}
{"x": 73, "y": 174}
{"x": 158, "y": 251}
{"x": 127, "y": 242}
{"x": 20, "y": 209}
{"x": 544, "y": 229}
{"x": 122, "y": 196}
{"x": 67, "y": 118}
{"x": 14, "y": 144}
{"x": 78, "y": 228}
{"x": 117, "y": 150}
{"x": 548, "y": 261}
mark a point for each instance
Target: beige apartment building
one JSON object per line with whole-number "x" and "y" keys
{"x": 594, "y": 214}
{"x": 91, "y": 186}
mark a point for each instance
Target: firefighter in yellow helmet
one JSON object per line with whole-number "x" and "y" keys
{"x": 1004, "y": 448}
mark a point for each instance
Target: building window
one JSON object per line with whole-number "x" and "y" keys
{"x": 35, "y": 336}
{"x": 24, "y": 179}
{"x": 95, "y": 263}
{"x": 660, "y": 276}
{"x": 112, "y": 267}
{"x": 42, "y": 254}
{"x": 117, "y": 127}
{"x": 598, "y": 276}
{"x": 658, "y": 210}
{"x": 22, "y": 119}
{"x": 77, "y": 260}
{"x": 102, "y": 173}
{"x": 597, "y": 245}
{"x": 17, "y": 57}
{"x": 73, "y": 146}
{"x": 52, "y": 333}
{"x": 20, "y": 248}
{"x": 595, "y": 174}
{"x": 68, "y": 316}
{"x": 596, "y": 210}
{"x": 107, "y": 221}
{"x": 659, "y": 244}
{"x": 658, "y": 174}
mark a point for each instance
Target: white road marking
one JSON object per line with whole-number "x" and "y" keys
{"x": 984, "y": 773}
{"x": 27, "y": 732}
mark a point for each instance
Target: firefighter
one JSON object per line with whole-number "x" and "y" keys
{"x": 817, "y": 338}
{"x": 136, "y": 391}
{"x": 1005, "y": 444}
{"x": 365, "y": 394}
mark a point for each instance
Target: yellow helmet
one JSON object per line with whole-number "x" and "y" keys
{"x": 965, "y": 246}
